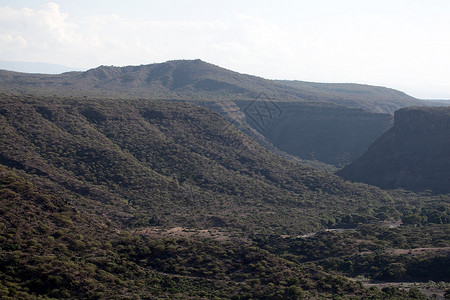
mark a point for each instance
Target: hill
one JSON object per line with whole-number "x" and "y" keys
{"x": 169, "y": 164}
{"x": 414, "y": 154}
{"x": 198, "y": 80}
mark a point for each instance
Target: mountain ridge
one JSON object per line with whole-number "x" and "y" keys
{"x": 197, "y": 75}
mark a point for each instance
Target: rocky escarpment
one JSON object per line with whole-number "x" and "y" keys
{"x": 414, "y": 154}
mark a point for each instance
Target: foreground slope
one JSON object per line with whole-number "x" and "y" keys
{"x": 52, "y": 249}
{"x": 414, "y": 154}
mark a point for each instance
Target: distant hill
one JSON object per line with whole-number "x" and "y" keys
{"x": 414, "y": 154}
{"x": 35, "y": 67}
{"x": 441, "y": 102}
{"x": 370, "y": 98}
{"x": 195, "y": 79}
{"x": 350, "y": 115}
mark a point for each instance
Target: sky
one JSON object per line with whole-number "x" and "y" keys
{"x": 399, "y": 44}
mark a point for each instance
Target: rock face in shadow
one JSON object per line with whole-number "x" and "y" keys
{"x": 333, "y": 134}
{"x": 414, "y": 154}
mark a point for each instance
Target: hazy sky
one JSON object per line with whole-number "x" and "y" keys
{"x": 400, "y": 44}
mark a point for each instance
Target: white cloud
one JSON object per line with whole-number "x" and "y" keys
{"x": 28, "y": 34}
{"x": 10, "y": 41}
{"x": 109, "y": 39}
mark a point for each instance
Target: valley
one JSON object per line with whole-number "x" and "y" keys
{"x": 187, "y": 180}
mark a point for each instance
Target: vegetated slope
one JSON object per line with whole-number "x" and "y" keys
{"x": 160, "y": 163}
{"x": 43, "y": 241}
{"x": 84, "y": 181}
{"x": 414, "y": 154}
{"x": 50, "y": 248}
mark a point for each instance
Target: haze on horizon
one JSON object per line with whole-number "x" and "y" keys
{"x": 397, "y": 43}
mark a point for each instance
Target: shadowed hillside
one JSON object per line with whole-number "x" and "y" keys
{"x": 323, "y": 132}
{"x": 414, "y": 154}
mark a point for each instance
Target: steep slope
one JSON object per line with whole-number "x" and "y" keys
{"x": 414, "y": 154}
{"x": 161, "y": 163}
{"x": 322, "y": 132}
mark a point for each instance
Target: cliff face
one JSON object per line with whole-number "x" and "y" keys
{"x": 414, "y": 154}
{"x": 332, "y": 134}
